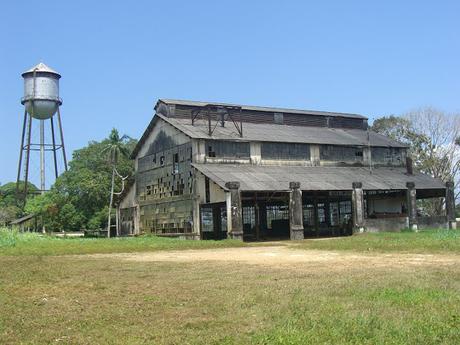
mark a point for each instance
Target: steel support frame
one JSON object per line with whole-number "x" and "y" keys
{"x": 26, "y": 147}
{"x": 230, "y": 111}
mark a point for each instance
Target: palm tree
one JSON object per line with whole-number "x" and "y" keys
{"x": 114, "y": 149}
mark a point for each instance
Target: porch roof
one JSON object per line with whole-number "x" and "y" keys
{"x": 277, "y": 178}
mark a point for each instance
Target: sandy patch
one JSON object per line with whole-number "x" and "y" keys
{"x": 283, "y": 255}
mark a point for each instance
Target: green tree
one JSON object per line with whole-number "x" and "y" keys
{"x": 10, "y": 205}
{"x": 9, "y": 193}
{"x": 79, "y": 195}
{"x": 8, "y": 213}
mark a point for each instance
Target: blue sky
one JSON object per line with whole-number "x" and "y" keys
{"x": 117, "y": 57}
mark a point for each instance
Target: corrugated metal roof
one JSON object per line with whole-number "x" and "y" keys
{"x": 256, "y": 108}
{"x": 277, "y": 178}
{"x": 41, "y": 67}
{"x": 282, "y": 133}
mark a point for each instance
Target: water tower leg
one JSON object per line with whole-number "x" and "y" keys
{"x": 62, "y": 137}
{"x": 42, "y": 156}
{"x": 54, "y": 148}
{"x": 21, "y": 149}
{"x": 27, "y": 148}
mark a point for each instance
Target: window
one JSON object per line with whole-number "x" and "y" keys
{"x": 249, "y": 216}
{"x": 162, "y": 160}
{"x": 285, "y": 151}
{"x": 211, "y": 153}
{"x": 309, "y": 215}
{"x": 206, "y": 220}
{"x": 387, "y": 155}
{"x": 322, "y": 213}
{"x": 227, "y": 149}
{"x": 334, "y": 213}
{"x": 340, "y": 153}
{"x": 275, "y": 212}
{"x": 175, "y": 163}
{"x": 345, "y": 211}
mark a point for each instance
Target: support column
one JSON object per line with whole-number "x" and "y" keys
{"x": 358, "y": 207}
{"x": 234, "y": 204}
{"x": 450, "y": 205}
{"x": 196, "y": 228}
{"x": 412, "y": 205}
{"x": 42, "y": 156}
{"x": 295, "y": 211}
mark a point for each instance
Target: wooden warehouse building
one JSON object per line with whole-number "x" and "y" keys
{"x": 214, "y": 170}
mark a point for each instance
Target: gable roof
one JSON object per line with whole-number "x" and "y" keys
{"x": 257, "y": 108}
{"x": 282, "y": 133}
{"x": 269, "y": 132}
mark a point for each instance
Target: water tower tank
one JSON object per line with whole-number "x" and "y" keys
{"x": 41, "y": 91}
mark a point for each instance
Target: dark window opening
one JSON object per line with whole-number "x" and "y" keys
{"x": 387, "y": 155}
{"x": 175, "y": 163}
{"x": 322, "y": 213}
{"x": 285, "y": 151}
{"x": 337, "y": 153}
{"x": 211, "y": 153}
{"x": 309, "y": 215}
{"x": 345, "y": 211}
{"x": 227, "y": 149}
{"x": 276, "y": 213}
{"x": 206, "y": 187}
{"x": 249, "y": 217}
{"x": 206, "y": 220}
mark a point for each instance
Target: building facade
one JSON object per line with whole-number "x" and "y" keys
{"x": 215, "y": 170}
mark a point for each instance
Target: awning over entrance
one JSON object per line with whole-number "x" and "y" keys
{"x": 277, "y": 178}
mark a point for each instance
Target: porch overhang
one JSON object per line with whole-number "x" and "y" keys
{"x": 277, "y": 178}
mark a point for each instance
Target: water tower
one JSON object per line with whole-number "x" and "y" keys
{"x": 41, "y": 102}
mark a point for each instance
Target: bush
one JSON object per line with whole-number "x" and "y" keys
{"x": 12, "y": 237}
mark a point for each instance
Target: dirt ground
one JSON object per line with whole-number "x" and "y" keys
{"x": 282, "y": 255}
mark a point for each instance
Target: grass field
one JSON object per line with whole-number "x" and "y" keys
{"x": 373, "y": 289}
{"x": 14, "y": 243}
{"x": 428, "y": 241}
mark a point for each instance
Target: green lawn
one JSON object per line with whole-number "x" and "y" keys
{"x": 14, "y": 243}
{"x": 431, "y": 241}
{"x": 427, "y": 241}
{"x": 84, "y": 299}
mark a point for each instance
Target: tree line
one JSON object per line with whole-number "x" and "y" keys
{"x": 79, "y": 198}
{"x": 433, "y": 137}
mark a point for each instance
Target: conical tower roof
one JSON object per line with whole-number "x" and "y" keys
{"x": 41, "y": 67}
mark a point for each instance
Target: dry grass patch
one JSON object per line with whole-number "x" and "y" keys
{"x": 103, "y": 299}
